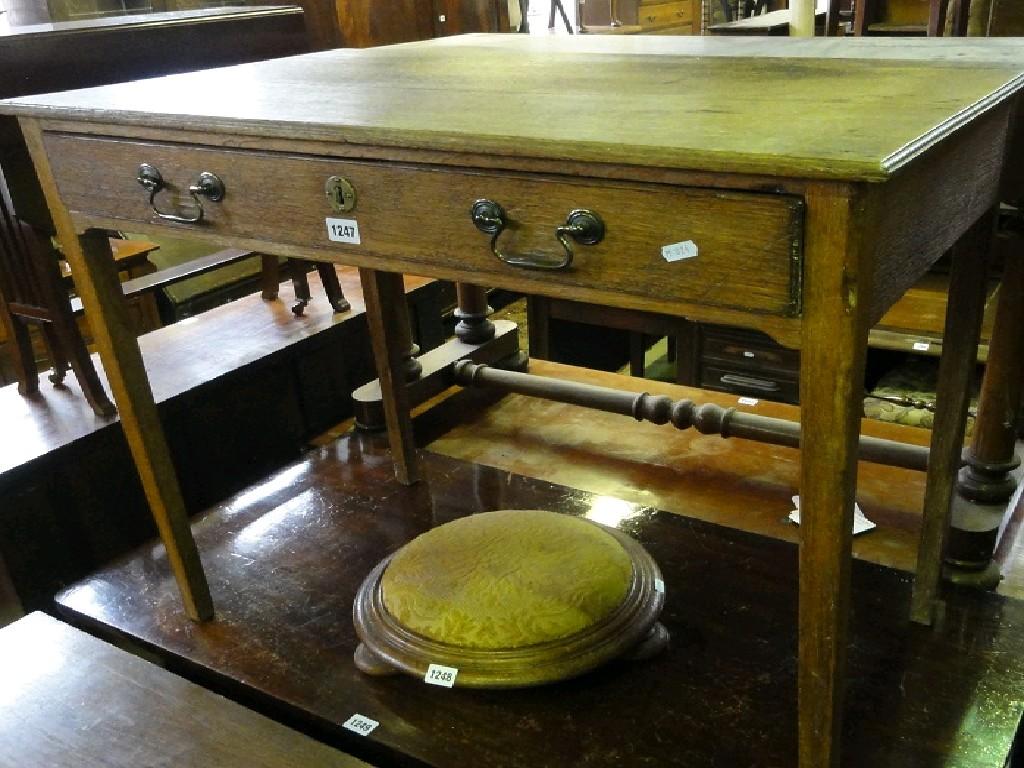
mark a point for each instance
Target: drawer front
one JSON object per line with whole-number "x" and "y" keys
{"x": 760, "y": 384}
{"x": 684, "y": 29}
{"x": 741, "y": 349}
{"x": 653, "y": 15}
{"x": 417, "y": 219}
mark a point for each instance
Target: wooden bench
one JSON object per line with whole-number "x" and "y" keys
{"x": 71, "y": 700}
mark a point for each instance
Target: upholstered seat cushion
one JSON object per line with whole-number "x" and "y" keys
{"x": 507, "y": 579}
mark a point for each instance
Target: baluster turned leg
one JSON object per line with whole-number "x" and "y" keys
{"x": 473, "y": 326}
{"x": 985, "y": 485}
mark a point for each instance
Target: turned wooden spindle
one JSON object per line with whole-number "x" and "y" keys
{"x": 473, "y": 326}
{"x": 706, "y": 418}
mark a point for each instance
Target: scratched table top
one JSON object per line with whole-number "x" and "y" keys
{"x": 762, "y": 108}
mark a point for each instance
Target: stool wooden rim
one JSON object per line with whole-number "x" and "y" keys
{"x": 630, "y": 631}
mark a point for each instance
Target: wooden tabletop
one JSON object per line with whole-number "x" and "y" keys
{"x": 809, "y": 117}
{"x": 71, "y": 701}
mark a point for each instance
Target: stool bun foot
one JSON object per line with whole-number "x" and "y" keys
{"x": 654, "y": 642}
{"x": 370, "y": 663}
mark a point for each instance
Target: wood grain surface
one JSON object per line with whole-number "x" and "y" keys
{"x": 724, "y": 695}
{"x": 72, "y": 701}
{"x": 732, "y": 269}
{"x": 832, "y": 119}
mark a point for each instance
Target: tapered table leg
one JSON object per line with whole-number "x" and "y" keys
{"x": 114, "y": 335}
{"x": 959, "y": 351}
{"x": 122, "y": 361}
{"x": 834, "y": 345}
{"x": 985, "y": 485}
{"x": 384, "y": 295}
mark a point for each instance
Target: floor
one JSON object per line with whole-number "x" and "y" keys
{"x": 641, "y": 463}
{"x": 285, "y": 558}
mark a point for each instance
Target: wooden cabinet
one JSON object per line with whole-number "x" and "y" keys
{"x": 654, "y": 17}
{"x": 366, "y": 23}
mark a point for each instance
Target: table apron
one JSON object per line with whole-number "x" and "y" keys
{"x": 746, "y": 246}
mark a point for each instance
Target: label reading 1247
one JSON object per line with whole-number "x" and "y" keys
{"x": 343, "y": 231}
{"x": 438, "y": 674}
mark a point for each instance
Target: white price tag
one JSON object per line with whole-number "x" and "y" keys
{"x": 360, "y": 724}
{"x": 860, "y": 521}
{"x": 678, "y": 251}
{"x": 438, "y": 674}
{"x": 921, "y": 346}
{"x": 343, "y": 231}
{"x": 659, "y": 586}
{"x": 748, "y": 401}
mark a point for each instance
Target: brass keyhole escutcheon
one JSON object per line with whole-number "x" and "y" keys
{"x": 340, "y": 194}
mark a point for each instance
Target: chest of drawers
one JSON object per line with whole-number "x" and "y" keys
{"x": 653, "y": 17}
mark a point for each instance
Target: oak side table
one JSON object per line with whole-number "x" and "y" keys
{"x": 799, "y": 196}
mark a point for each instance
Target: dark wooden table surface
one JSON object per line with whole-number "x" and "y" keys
{"x": 285, "y": 559}
{"x": 69, "y": 700}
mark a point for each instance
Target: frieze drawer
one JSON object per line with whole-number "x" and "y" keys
{"x": 661, "y": 245}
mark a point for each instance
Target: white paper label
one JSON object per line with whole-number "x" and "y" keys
{"x": 921, "y": 346}
{"x": 679, "y": 251}
{"x": 748, "y": 401}
{"x": 360, "y": 724}
{"x": 343, "y": 231}
{"x": 659, "y": 586}
{"x": 438, "y": 674}
{"x": 860, "y": 522}
{"x": 748, "y": 353}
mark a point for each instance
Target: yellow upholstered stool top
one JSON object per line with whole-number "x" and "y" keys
{"x": 507, "y": 579}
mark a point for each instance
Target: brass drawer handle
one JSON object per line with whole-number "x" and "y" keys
{"x": 583, "y": 226}
{"x": 208, "y": 185}
{"x": 749, "y": 382}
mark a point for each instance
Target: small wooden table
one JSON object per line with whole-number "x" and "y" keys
{"x": 72, "y": 701}
{"x": 799, "y": 197}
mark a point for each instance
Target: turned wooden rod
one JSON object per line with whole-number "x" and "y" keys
{"x": 707, "y": 418}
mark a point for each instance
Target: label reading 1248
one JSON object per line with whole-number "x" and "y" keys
{"x": 438, "y": 674}
{"x": 343, "y": 231}
{"x": 360, "y": 724}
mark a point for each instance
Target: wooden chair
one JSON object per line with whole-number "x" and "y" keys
{"x": 298, "y": 269}
{"x": 32, "y": 292}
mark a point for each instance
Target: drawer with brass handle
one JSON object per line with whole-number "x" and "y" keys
{"x": 662, "y": 245}
{"x": 771, "y": 386}
{"x": 665, "y": 14}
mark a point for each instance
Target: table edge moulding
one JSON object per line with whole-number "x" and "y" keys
{"x": 883, "y": 196}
